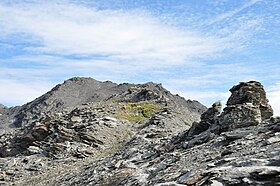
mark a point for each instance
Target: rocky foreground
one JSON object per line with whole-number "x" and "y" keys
{"x": 85, "y": 132}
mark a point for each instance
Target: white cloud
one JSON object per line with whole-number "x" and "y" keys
{"x": 65, "y": 28}
{"x": 273, "y": 94}
{"x": 20, "y": 92}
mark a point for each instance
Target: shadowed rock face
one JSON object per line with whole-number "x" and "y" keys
{"x": 208, "y": 118}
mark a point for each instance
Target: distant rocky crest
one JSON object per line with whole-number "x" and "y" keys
{"x": 78, "y": 91}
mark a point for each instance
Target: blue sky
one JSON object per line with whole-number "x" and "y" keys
{"x": 196, "y": 48}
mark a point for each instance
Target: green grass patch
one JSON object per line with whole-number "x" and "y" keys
{"x": 138, "y": 111}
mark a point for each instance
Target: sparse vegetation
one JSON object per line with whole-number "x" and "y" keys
{"x": 138, "y": 111}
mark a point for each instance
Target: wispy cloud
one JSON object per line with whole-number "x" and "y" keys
{"x": 70, "y": 29}
{"x": 45, "y": 42}
{"x": 229, "y": 14}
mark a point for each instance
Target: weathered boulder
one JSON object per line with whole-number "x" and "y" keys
{"x": 247, "y": 106}
{"x": 239, "y": 116}
{"x": 251, "y": 92}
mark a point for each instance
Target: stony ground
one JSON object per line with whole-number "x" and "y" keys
{"x": 248, "y": 156}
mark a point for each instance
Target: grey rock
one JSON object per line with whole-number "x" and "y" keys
{"x": 10, "y": 172}
{"x": 34, "y": 150}
{"x": 247, "y": 106}
{"x": 239, "y": 116}
{"x": 207, "y": 119}
{"x": 251, "y": 92}
{"x": 236, "y": 134}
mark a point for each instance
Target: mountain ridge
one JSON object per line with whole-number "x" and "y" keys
{"x": 77, "y": 91}
{"x": 86, "y": 132}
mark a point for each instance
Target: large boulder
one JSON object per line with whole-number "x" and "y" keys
{"x": 247, "y": 106}
{"x": 251, "y": 92}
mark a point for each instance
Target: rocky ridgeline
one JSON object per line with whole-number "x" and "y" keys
{"x": 85, "y": 119}
{"x": 142, "y": 135}
{"x": 224, "y": 148}
{"x": 78, "y": 91}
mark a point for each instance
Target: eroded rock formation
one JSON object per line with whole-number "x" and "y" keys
{"x": 251, "y": 92}
{"x": 246, "y": 106}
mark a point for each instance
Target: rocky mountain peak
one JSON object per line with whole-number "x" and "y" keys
{"x": 79, "y": 90}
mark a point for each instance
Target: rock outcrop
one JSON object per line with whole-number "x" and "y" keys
{"x": 251, "y": 92}
{"x": 207, "y": 119}
{"x": 246, "y": 106}
{"x": 4, "y": 119}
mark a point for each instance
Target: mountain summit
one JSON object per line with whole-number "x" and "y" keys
{"x": 78, "y": 91}
{"x": 87, "y": 132}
